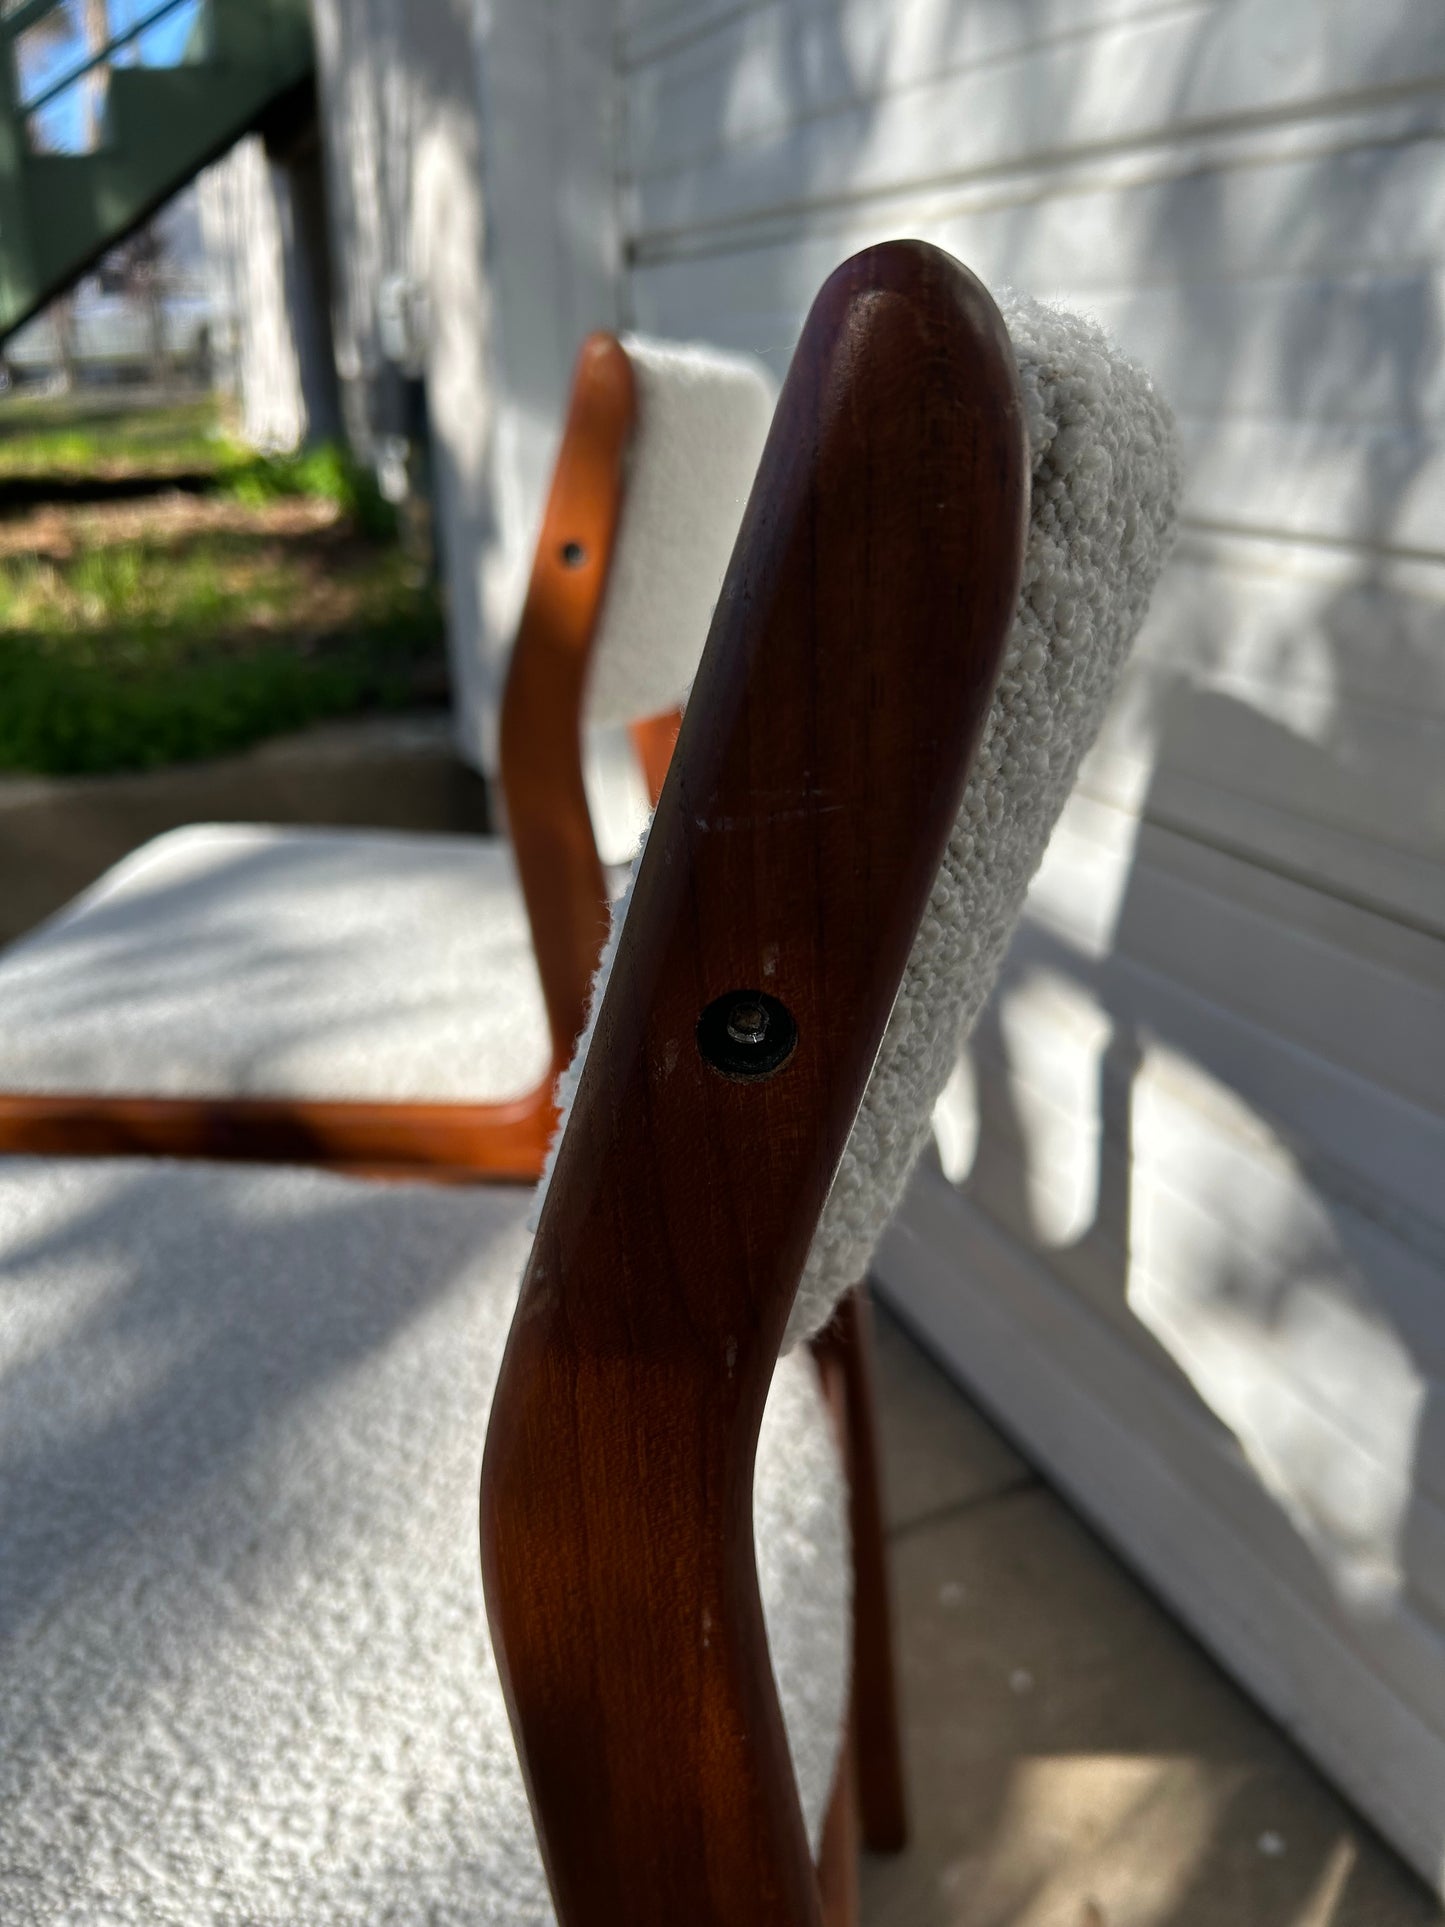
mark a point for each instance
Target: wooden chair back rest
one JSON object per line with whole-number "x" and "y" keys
{"x": 549, "y": 822}
{"x": 544, "y": 701}
{"x": 847, "y": 677}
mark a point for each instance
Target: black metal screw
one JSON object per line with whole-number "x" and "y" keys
{"x": 573, "y": 555}
{"x": 746, "y": 1034}
{"x": 747, "y": 1022}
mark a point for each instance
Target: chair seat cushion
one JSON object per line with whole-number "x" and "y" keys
{"x": 244, "y": 1667}
{"x": 240, "y": 960}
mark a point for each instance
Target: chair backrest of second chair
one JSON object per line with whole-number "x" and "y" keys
{"x": 656, "y": 460}
{"x": 702, "y": 417}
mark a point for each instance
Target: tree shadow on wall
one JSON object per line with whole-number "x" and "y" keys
{"x": 1221, "y": 1219}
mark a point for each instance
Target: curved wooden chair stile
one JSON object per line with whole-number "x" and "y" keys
{"x": 558, "y": 864}
{"x": 848, "y": 674}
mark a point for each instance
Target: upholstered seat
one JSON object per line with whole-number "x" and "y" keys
{"x": 244, "y": 1667}
{"x": 272, "y": 962}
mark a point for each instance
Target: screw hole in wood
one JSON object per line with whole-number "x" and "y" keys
{"x": 746, "y": 1034}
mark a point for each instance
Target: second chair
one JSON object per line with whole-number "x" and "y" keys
{"x": 395, "y": 1002}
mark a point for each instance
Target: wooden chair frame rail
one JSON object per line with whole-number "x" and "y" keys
{"x": 845, "y": 684}
{"x": 558, "y": 864}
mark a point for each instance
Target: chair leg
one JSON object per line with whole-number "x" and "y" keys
{"x": 838, "y": 1850}
{"x": 882, "y": 1798}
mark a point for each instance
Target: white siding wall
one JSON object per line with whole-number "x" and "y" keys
{"x": 470, "y": 151}
{"x": 399, "y": 112}
{"x": 548, "y": 93}
{"x": 1187, "y": 1234}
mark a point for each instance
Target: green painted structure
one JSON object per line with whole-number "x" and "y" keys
{"x": 246, "y": 65}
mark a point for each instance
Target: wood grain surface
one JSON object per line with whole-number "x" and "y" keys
{"x": 846, "y": 680}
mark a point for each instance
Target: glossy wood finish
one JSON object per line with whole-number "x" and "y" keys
{"x": 557, "y": 860}
{"x": 838, "y": 1883}
{"x": 845, "y": 1356}
{"x": 447, "y": 1142}
{"x": 548, "y": 819}
{"x": 847, "y": 677}
{"x": 654, "y": 740}
{"x": 839, "y": 1896}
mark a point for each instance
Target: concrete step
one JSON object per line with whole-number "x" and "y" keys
{"x": 58, "y": 834}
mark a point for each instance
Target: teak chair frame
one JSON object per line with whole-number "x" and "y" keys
{"x": 847, "y": 678}
{"x": 558, "y": 864}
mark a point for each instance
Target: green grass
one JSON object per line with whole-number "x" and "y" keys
{"x": 70, "y": 438}
{"x": 141, "y": 634}
{"x": 138, "y": 656}
{"x": 74, "y": 436}
{"x": 327, "y": 473}
{"x": 65, "y": 719}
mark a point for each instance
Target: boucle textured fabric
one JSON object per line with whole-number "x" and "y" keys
{"x": 245, "y": 1678}
{"x": 238, "y": 960}
{"x": 702, "y": 419}
{"x": 1105, "y": 480}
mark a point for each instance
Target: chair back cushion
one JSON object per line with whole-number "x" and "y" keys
{"x": 702, "y": 419}
{"x": 1104, "y": 486}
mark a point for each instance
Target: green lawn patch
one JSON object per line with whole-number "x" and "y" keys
{"x": 181, "y": 625}
{"x": 70, "y": 436}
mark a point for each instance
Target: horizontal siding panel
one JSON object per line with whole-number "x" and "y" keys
{"x": 1306, "y": 1524}
{"x": 648, "y": 29}
{"x": 1136, "y": 83}
{"x": 1347, "y": 484}
{"x": 1376, "y": 773}
{"x": 1391, "y": 953}
{"x": 757, "y": 69}
{"x": 1171, "y": 1254}
{"x": 651, "y": 25}
{"x": 1375, "y": 1146}
{"x": 1090, "y": 874}
{"x": 1286, "y": 846}
{"x": 1072, "y": 1128}
{"x": 1320, "y": 797}
{"x": 691, "y": 35}
{"x": 1314, "y": 629}
{"x": 1273, "y": 966}
{"x": 1344, "y": 1468}
{"x": 1365, "y": 350}
{"x": 1167, "y": 1395}
{"x": 1403, "y": 1650}
{"x": 1365, "y": 192}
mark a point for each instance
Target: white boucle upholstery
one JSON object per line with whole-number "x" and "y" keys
{"x": 702, "y": 419}
{"x": 1104, "y": 486}
{"x": 245, "y": 1679}
{"x": 237, "y": 960}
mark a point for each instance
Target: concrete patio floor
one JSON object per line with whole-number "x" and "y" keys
{"x": 1075, "y": 1759}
